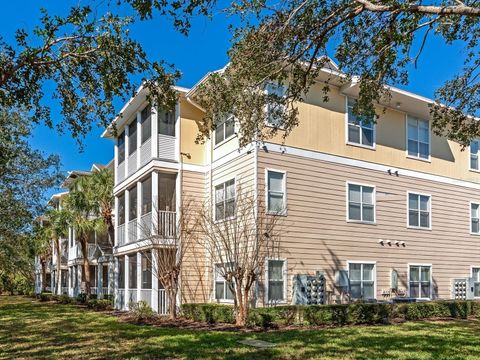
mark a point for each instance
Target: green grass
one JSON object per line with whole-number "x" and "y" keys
{"x": 30, "y": 329}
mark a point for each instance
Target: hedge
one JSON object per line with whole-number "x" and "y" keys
{"x": 334, "y": 315}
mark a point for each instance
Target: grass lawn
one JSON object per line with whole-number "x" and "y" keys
{"x": 30, "y": 329}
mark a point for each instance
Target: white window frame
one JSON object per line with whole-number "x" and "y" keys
{"x": 374, "y": 130}
{"x": 366, "y": 262}
{"x": 283, "y": 212}
{"x": 419, "y": 289}
{"x": 285, "y": 281}
{"x": 429, "y": 211}
{"x": 429, "y": 159}
{"x": 348, "y": 183}
{"x": 225, "y": 139}
{"x": 268, "y": 123}
{"x": 214, "y": 295}
{"x": 470, "y": 216}
{"x": 470, "y": 156}
{"x": 223, "y": 182}
{"x": 471, "y": 275}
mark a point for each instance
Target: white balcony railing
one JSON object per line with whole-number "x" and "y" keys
{"x": 162, "y": 302}
{"x": 91, "y": 248}
{"x": 121, "y": 235}
{"x": 132, "y": 163}
{"x": 132, "y": 230}
{"x": 146, "y": 225}
{"x": 120, "y": 172}
{"x": 167, "y": 224}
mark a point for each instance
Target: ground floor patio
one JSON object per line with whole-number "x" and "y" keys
{"x": 32, "y": 329}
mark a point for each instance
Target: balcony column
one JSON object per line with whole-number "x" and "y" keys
{"x": 139, "y": 208}
{"x": 100, "y": 281}
{"x": 139, "y": 276}
{"x": 115, "y": 160}
{"x": 154, "y": 122}
{"x": 177, "y": 131}
{"x": 115, "y": 223}
{"x": 114, "y": 281}
{"x": 127, "y": 281}
{"x": 154, "y": 202}
{"x": 127, "y": 151}
{"x": 155, "y": 280}
{"x": 139, "y": 136}
{"x": 127, "y": 215}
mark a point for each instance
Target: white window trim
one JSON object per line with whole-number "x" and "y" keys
{"x": 469, "y": 158}
{"x": 368, "y": 262}
{"x": 214, "y": 297}
{"x": 429, "y": 140}
{"x": 284, "y": 211}
{"x": 350, "y": 143}
{"x": 429, "y": 228}
{"x": 374, "y": 204}
{"x": 285, "y": 281}
{"x": 470, "y": 216}
{"x": 214, "y": 185}
{"x": 471, "y": 275}
{"x": 226, "y": 139}
{"x": 431, "y": 279}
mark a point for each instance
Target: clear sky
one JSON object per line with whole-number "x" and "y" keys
{"x": 204, "y": 50}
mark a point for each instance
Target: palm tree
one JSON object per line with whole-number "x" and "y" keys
{"x": 58, "y": 228}
{"x": 43, "y": 248}
{"x": 83, "y": 214}
{"x": 100, "y": 191}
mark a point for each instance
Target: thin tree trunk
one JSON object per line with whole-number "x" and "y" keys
{"x": 172, "y": 298}
{"x": 86, "y": 266}
{"x": 59, "y": 267}
{"x": 44, "y": 275}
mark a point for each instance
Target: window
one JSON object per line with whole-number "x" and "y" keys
{"x": 418, "y": 133}
{"x": 276, "y": 280}
{"x": 132, "y": 196}
{"x": 121, "y": 209}
{"x": 147, "y": 270}
{"x": 93, "y": 275}
{"x": 146, "y": 123}
{"x": 361, "y": 203}
{"x": 476, "y": 281}
{"x": 420, "y": 281}
{"x": 362, "y": 280}
{"x": 105, "y": 276}
{"x": 121, "y": 272}
{"x": 147, "y": 196}
{"x": 166, "y": 192}
{"x": 276, "y": 189}
{"x": 474, "y": 217}
{"x": 274, "y": 109}
{"x": 132, "y": 137}
{"x": 166, "y": 123}
{"x": 225, "y": 200}
{"x": 225, "y": 130}
{"x": 121, "y": 148}
{"x": 223, "y": 288}
{"x": 360, "y": 131}
{"x": 132, "y": 271}
{"x": 419, "y": 211}
{"x": 474, "y": 145}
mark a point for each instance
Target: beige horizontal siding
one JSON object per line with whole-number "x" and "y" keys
{"x": 319, "y": 238}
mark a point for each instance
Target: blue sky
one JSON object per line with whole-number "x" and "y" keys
{"x": 204, "y": 50}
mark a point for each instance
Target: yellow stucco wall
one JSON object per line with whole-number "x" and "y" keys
{"x": 189, "y": 130}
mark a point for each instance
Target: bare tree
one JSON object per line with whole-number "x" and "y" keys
{"x": 169, "y": 238}
{"x": 238, "y": 244}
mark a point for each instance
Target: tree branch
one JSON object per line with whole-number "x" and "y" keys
{"x": 460, "y": 9}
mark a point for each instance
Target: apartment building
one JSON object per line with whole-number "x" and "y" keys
{"x": 99, "y": 252}
{"x": 381, "y": 211}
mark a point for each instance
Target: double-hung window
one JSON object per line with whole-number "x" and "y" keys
{"x": 418, "y": 133}
{"x": 474, "y": 218}
{"x": 121, "y": 147}
{"x": 276, "y": 192}
{"x": 474, "y": 147}
{"x": 276, "y": 280}
{"x": 146, "y": 123}
{"x": 476, "y": 281}
{"x": 360, "y": 131}
{"x": 132, "y": 137}
{"x": 420, "y": 281}
{"x": 419, "y": 213}
{"x": 223, "y": 288}
{"x": 362, "y": 280}
{"x": 225, "y": 130}
{"x": 361, "y": 203}
{"x": 225, "y": 200}
{"x": 275, "y": 108}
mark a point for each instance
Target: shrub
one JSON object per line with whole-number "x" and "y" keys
{"x": 100, "y": 304}
{"x": 45, "y": 296}
{"x": 141, "y": 311}
{"x": 210, "y": 313}
{"x": 273, "y": 316}
{"x": 81, "y": 298}
{"x": 65, "y": 299}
